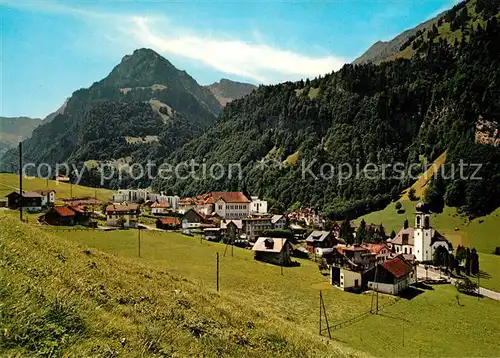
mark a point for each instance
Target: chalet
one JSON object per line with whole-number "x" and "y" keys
{"x": 337, "y": 227}
{"x": 59, "y": 215}
{"x": 320, "y": 239}
{"x": 192, "y": 220}
{"x": 231, "y": 229}
{"x": 358, "y": 255}
{"x": 203, "y": 204}
{"x": 351, "y": 267}
{"x": 212, "y": 234}
{"x": 422, "y": 240}
{"x": 82, "y": 215}
{"x": 392, "y": 276}
{"x": 31, "y": 201}
{"x": 125, "y": 215}
{"x": 160, "y": 208}
{"x": 381, "y": 251}
{"x": 273, "y": 250}
{"x": 48, "y": 197}
{"x": 169, "y": 223}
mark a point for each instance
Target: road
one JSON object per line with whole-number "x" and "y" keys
{"x": 434, "y": 275}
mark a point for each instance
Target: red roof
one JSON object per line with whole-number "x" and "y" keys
{"x": 212, "y": 197}
{"x": 398, "y": 267}
{"x": 169, "y": 221}
{"x": 231, "y": 197}
{"x": 64, "y": 211}
{"x": 376, "y": 248}
{"x": 163, "y": 204}
{"x": 114, "y": 208}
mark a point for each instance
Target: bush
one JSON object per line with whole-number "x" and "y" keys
{"x": 466, "y": 286}
{"x": 497, "y": 251}
{"x": 398, "y": 206}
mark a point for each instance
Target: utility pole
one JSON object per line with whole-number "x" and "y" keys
{"x": 139, "y": 240}
{"x": 21, "y": 180}
{"x": 373, "y": 290}
{"x": 217, "y": 271}
{"x": 322, "y": 312}
{"x": 282, "y": 258}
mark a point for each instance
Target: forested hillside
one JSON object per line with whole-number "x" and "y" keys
{"x": 144, "y": 95}
{"x": 399, "y": 111}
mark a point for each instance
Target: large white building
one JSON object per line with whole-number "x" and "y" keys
{"x": 422, "y": 240}
{"x": 231, "y": 205}
{"x": 258, "y": 206}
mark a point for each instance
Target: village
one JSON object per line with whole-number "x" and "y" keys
{"x": 356, "y": 257}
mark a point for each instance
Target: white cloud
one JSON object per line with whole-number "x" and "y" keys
{"x": 257, "y": 61}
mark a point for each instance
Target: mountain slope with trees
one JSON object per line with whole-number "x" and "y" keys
{"x": 144, "y": 95}
{"x": 398, "y": 111}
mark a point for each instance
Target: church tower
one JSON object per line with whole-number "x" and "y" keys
{"x": 422, "y": 233}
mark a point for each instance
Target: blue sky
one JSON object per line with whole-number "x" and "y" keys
{"x": 51, "y": 48}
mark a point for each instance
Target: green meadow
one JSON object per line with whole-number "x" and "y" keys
{"x": 437, "y": 322}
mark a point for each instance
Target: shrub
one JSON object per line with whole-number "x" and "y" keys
{"x": 466, "y": 286}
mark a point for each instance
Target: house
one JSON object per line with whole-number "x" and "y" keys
{"x": 62, "y": 179}
{"x": 160, "y": 208}
{"x": 231, "y": 205}
{"x": 337, "y": 227}
{"x": 48, "y": 197}
{"x": 358, "y": 255}
{"x": 59, "y": 215}
{"x": 392, "y": 276}
{"x": 422, "y": 240}
{"x": 381, "y": 251}
{"x": 231, "y": 229}
{"x": 320, "y": 239}
{"x": 279, "y": 222}
{"x": 125, "y": 215}
{"x": 253, "y": 227}
{"x": 273, "y": 250}
{"x": 203, "y": 204}
{"x": 172, "y": 200}
{"x": 192, "y": 220}
{"x": 169, "y": 223}
{"x": 348, "y": 279}
{"x": 82, "y": 215}
{"x": 257, "y": 206}
{"x": 30, "y": 201}
{"x": 307, "y": 216}
{"x": 212, "y": 233}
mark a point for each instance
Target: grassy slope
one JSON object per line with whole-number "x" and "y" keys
{"x": 289, "y": 302}
{"x": 56, "y": 298}
{"x": 63, "y": 190}
{"x": 444, "y": 33}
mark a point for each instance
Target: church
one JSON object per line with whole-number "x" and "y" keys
{"x": 422, "y": 240}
